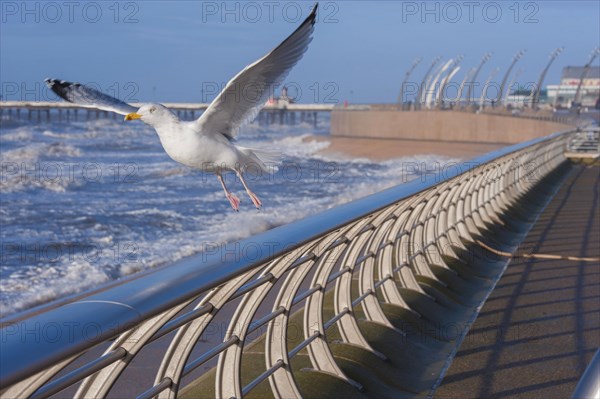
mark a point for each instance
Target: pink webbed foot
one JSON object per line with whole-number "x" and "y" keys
{"x": 234, "y": 201}
{"x": 255, "y": 200}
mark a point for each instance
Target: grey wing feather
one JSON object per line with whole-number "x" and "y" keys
{"x": 88, "y": 97}
{"x": 245, "y": 95}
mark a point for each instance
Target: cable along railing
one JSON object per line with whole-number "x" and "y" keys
{"x": 361, "y": 256}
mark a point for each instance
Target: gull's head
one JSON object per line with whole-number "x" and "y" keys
{"x": 153, "y": 114}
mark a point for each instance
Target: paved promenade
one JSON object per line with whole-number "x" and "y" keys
{"x": 540, "y": 327}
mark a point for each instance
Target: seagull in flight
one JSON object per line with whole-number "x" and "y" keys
{"x": 208, "y": 143}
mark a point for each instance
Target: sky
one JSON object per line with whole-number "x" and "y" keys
{"x": 185, "y": 51}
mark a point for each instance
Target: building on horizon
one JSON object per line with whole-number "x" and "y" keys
{"x": 563, "y": 94}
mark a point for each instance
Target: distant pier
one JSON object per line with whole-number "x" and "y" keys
{"x": 46, "y": 111}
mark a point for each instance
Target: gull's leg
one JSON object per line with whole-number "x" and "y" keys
{"x": 257, "y": 203}
{"x": 233, "y": 199}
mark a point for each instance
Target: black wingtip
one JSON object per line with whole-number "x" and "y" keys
{"x": 313, "y": 14}
{"x": 50, "y": 82}
{"x": 312, "y": 17}
{"x": 59, "y": 87}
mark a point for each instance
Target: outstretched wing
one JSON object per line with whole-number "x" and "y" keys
{"x": 88, "y": 97}
{"x": 245, "y": 94}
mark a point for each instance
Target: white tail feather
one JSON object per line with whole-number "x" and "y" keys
{"x": 264, "y": 159}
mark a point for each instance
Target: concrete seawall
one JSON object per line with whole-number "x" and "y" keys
{"x": 451, "y": 126}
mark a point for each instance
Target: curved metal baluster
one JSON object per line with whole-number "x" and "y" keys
{"x": 482, "y": 210}
{"x": 465, "y": 227}
{"x": 347, "y": 325}
{"x": 97, "y": 385}
{"x": 469, "y": 213}
{"x": 387, "y": 262}
{"x": 500, "y": 185}
{"x": 282, "y": 381}
{"x": 427, "y": 231}
{"x": 445, "y": 225}
{"x": 406, "y": 274}
{"x": 432, "y": 232}
{"x": 455, "y": 217}
{"x": 512, "y": 191}
{"x": 318, "y": 350}
{"x": 497, "y": 192}
{"x": 180, "y": 348}
{"x": 474, "y": 203}
{"x": 426, "y": 234}
{"x": 504, "y": 199}
{"x": 28, "y": 386}
{"x": 416, "y": 220}
{"x": 366, "y": 275}
{"x": 228, "y": 382}
{"x": 492, "y": 192}
{"x": 523, "y": 170}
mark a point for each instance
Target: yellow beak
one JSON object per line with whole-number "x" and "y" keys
{"x": 132, "y": 116}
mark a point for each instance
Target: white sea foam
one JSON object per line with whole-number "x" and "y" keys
{"x": 42, "y": 284}
{"x": 37, "y": 166}
{"x": 33, "y": 152}
{"x": 299, "y": 146}
{"x": 20, "y": 134}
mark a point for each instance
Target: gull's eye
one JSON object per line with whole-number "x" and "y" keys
{"x": 152, "y": 110}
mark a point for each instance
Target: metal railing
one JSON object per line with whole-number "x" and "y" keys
{"x": 586, "y": 141}
{"x": 589, "y": 384}
{"x": 365, "y": 250}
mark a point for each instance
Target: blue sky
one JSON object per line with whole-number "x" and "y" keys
{"x": 184, "y": 50}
